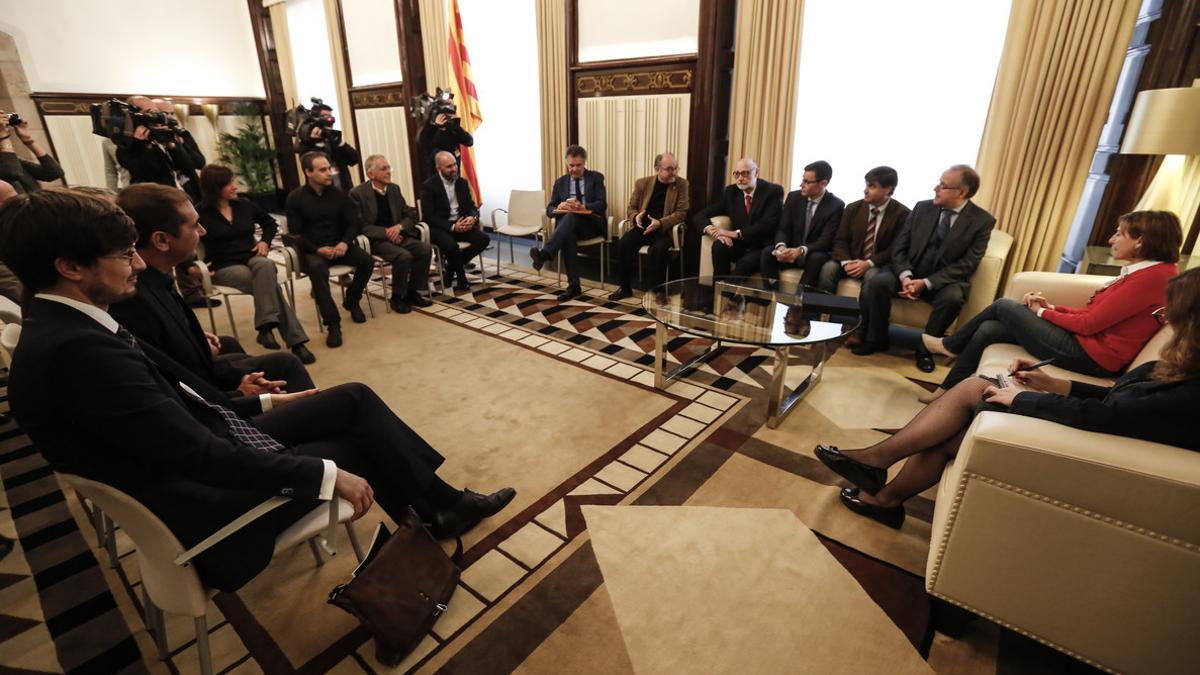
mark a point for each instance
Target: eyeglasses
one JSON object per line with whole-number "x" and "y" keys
{"x": 741, "y": 173}
{"x": 127, "y": 256}
{"x": 806, "y": 181}
{"x": 943, "y": 186}
{"x": 1160, "y": 315}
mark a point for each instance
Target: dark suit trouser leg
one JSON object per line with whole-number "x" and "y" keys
{"x": 318, "y": 275}
{"x": 350, "y": 425}
{"x": 947, "y": 302}
{"x": 568, "y": 230}
{"x": 831, "y": 274}
{"x": 478, "y": 241}
{"x": 627, "y": 255}
{"x": 875, "y": 302}
{"x": 747, "y": 264}
{"x": 448, "y": 245}
{"x": 659, "y": 258}
{"x": 410, "y": 264}
{"x": 813, "y": 262}
{"x": 768, "y": 265}
{"x": 724, "y": 256}
{"x": 363, "y": 266}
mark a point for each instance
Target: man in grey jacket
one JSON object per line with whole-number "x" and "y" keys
{"x": 390, "y": 223}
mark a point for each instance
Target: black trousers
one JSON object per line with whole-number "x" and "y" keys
{"x": 348, "y": 424}
{"x": 410, "y": 264}
{"x": 770, "y": 266}
{"x": 455, "y": 260}
{"x": 876, "y": 304}
{"x": 568, "y": 230}
{"x": 744, "y": 258}
{"x": 628, "y": 249}
{"x": 318, "y": 274}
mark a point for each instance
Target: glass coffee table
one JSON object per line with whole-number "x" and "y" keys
{"x": 802, "y": 323}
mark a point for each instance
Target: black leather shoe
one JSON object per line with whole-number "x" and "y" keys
{"x": 463, "y": 284}
{"x": 538, "y": 261}
{"x": 892, "y": 516}
{"x": 869, "y": 478}
{"x": 266, "y": 338}
{"x": 356, "y": 313}
{"x": 924, "y": 360}
{"x": 620, "y": 294}
{"x": 200, "y": 302}
{"x": 400, "y": 306}
{"x": 333, "y": 338}
{"x": 417, "y": 300}
{"x": 466, "y": 514}
{"x": 571, "y": 293}
{"x": 865, "y": 348}
{"x": 306, "y": 357}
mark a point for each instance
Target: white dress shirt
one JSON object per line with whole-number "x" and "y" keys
{"x": 452, "y": 195}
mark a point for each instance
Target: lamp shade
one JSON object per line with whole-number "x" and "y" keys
{"x": 1164, "y": 122}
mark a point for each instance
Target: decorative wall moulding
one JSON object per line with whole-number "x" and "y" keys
{"x": 658, "y": 81}
{"x": 79, "y": 104}
{"x": 378, "y": 96}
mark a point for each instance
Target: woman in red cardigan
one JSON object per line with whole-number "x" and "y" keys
{"x": 1099, "y": 339}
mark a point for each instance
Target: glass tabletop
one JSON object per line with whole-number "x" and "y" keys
{"x": 752, "y": 311}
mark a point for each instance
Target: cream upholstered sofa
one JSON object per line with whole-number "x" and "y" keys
{"x": 1087, "y": 542}
{"x": 985, "y": 283}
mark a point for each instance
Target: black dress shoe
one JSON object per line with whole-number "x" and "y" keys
{"x": 200, "y": 302}
{"x": 306, "y": 357}
{"x": 400, "y": 306}
{"x": 266, "y": 338}
{"x": 571, "y": 293}
{"x": 538, "y": 260}
{"x": 333, "y": 338}
{"x": 417, "y": 300}
{"x": 869, "y": 478}
{"x": 924, "y": 360}
{"x": 466, "y": 514}
{"x": 356, "y": 313}
{"x": 892, "y": 516}
{"x": 463, "y": 284}
{"x": 865, "y": 348}
{"x": 620, "y": 294}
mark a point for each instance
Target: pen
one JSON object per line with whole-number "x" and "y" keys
{"x": 1035, "y": 366}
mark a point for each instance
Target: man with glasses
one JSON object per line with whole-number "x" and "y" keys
{"x": 933, "y": 258}
{"x": 810, "y": 219}
{"x": 754, "y": 206}
{"x": 657, "y": 204}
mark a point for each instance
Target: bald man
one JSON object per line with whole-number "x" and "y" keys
{"x": 755, "y": 207}
{"x": 452, "y": 216}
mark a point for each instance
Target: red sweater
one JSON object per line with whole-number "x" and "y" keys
{"x": 1116, "y": 323}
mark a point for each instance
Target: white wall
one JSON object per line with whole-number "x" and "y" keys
{"x": 624, "y": 29}
{"x": 173, "y": 47}
{"x": 906, "y": 84}
{"x": 371, "y": 41}
{"x": 311, "y": 55}
{"x": 501, "y": 39}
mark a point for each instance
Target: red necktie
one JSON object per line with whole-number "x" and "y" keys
{"x": 869, "y": 242}
{"x": 748, "y": 202}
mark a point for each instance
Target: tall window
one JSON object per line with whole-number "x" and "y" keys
{"x": 906, "y": 84}
{"x": 310, "y": 55}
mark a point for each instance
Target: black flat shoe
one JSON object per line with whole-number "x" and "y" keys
{"x": 619, "y": 294}
{"x": 466, "y": 514}
{"x": 865, "y": 348}
{"x": 306, "y": 357}
{"x": 266, "y": 338}
{"x": 538, "y": 260}
{"x": 869, "y": 478}
{"x": 356, "y": 313}
{"x": 571, "y": 293}
{"x": 924, "y": 361}
{"x": 892, "y": 516}
{"x": 400, "y": 306}
{"x": 333, "y": 338}
{"x": 417, "y": 300}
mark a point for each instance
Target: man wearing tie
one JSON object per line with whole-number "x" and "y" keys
{"x": 754, "y": 206}
{"x": 578, "y": 203}
{"x": 935, "y": 254}
{"x": 810, "y": 219}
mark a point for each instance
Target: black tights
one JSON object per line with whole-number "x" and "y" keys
{"x": 929, "y": 442}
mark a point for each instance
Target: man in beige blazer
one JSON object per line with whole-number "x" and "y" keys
{"x": 657, "y": 204}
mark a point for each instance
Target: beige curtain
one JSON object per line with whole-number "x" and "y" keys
{"x": 283, "y": 51}
{"x": 1057, "y": 75}
{"x": 762, "y": 118}
{"x": 339, "y": 70}
{"x": 552, "y": 69}
{"x": 435, "y": 32}
{"x": 1175, "y": 188}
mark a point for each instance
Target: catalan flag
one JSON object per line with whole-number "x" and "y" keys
{"x": 465, "y": 96}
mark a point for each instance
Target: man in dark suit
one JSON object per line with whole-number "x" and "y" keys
{"x": 168, "y": 231}
{"x": 452, "y": 216}
{"x": 755, "y": 206}
{"x": 391, "y": 225}
{"x": 579, "y": 204}
{"x": 657, "y": 204}
{"x": 97, "y": 404}
{"x": 810, "y": 219}
{"x": 323, "y": 223}
{"x": 933, "y": 258}
{"x": 863, "y": 244}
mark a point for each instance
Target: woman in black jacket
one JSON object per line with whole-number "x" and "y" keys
{"x": 1157, "y": 401}
{"x": 238, "y": 260}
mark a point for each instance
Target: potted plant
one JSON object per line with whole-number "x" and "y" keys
{"x": 250, "y": 157}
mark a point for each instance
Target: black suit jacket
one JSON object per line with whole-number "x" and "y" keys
{"x": 852, "y": 232}
{"x": 962, "y": 249}
{"x": 363, "y": 196}
{"x": 1136, "y": 406}
{"x": 593, "y": 190}
{"x": 820, "y": 231}
{"x": 159, "y": 317}
{"x": 95, "y": 407}
{"x": 760, "y": 225}
{"x": 435, "y": 205}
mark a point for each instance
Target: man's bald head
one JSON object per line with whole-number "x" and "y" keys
{"x": 447, "y": 165}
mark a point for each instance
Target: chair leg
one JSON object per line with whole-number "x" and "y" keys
{"x": 320, "y": 323}
{"x": 232, "y": 323}
{"x": 155, "y": 624}
{"x": 212, "y": 318}
{"x": 316, "y": 551}
{"x": 203, "y": 650}
{"x": 110, "y": 542}
{"x": 353, "y": 536}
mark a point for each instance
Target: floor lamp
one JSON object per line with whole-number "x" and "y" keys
{"x": 1167, "y": 122}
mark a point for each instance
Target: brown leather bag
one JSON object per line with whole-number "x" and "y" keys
{"x": 401, "y": 588}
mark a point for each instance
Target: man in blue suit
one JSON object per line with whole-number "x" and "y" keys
{"x": 578, "y": 202}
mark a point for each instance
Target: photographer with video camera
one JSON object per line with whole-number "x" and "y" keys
{"x": 443, "y": 131}
{"x": 145, "y": 152}
{"x": 315, "y": 133}
{"x": 186, "y": 152}
{"x": 22, "y": 174}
